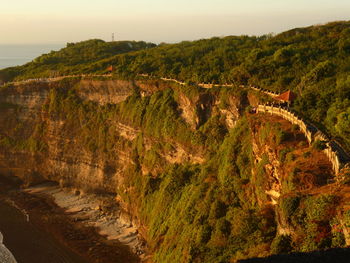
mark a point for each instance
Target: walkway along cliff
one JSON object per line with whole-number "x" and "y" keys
{"x": 335, "y": 153}
{"x": 177, "y": 160}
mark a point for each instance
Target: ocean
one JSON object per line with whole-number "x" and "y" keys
{"x": 23, "y": 240}
{"x": 27, "y": 242}
{"x": 15, "y": 55}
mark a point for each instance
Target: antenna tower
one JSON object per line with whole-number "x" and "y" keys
{"x": 112, "y": 37}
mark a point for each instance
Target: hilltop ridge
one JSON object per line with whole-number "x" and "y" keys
{"x": 207, "y": 173}
{"x": 312, "y": 61}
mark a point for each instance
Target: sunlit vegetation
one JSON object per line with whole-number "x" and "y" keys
{"x": 311, "y": 61}
{"x": 218, "y": 210}
{"x": 73, "y": 59}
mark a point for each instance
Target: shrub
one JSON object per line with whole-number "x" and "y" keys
{"x": 295, "y": 128}
{"x": 338, "y": 239}
{"x": 281, "y": 244}
{"x": 320, "y": 208}
{"x": 273, "y": 132}
{"x": 223, "y": 226}
{"x": 290, "y": 157}
{"x": 346, "y": 216}
{"x": 319, "y": 145}
{"x": 307, "y": 154}
{"x": 280, "y": 136}
{"x": 302, "y": 144}
{"x": 283, "y": 153}
{"x": 217, "y": 210}
{"x": 204, "y": 234}
{"x": 289, "y": 205}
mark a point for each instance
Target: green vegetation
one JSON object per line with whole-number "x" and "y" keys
{"x": 289, "y": 205}
{"x": 218, "y": 210}
{"x": 311, "y": 61}
{"x": 209, "y": 207}
{"x": 273, "y": 133}
{"x": 319, "y": 145}
{"x": 207, "y": 211}
{"x": 74, "y": 59}
{"x": 313, "y": 218}
{"x": 281, "y": 245}
{"x": 204, "y": 206}
{"x": 20, "y": 137}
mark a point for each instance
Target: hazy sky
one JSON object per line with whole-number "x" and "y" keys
{"x": 61, "y": 21}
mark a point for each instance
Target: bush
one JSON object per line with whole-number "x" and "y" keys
{"x": 338, "y": 239}
{"x": 274, "y": 133}
{"x": 346, "y": 217}
{"x": 281, "y": 244}
{"x": 307, "y": 154}
{"x": 217, "y": 210}
{"x": 204, "y": 234}
{"x": 295, "y": 128}
{"x": 283, "y": 153}
{"x": 223, "y": 227}
{"x": 320, "y": 208}
{"x": 289, "y": 205}
{"x": 290, "y": 157}
{"x": 319, "y": 145}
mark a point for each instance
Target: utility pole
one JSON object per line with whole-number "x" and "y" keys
{"x": 112, "y": 37}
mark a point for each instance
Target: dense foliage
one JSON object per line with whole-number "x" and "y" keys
{"x": 218, "y": 210}
{"x": 313, "y": 61}
{"x": 313, "y": 218}
{"x": 213, "y": 212}
{"x": 72, "y": 59}
{"x": 208, "y": 207}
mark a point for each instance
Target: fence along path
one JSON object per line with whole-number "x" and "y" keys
{"x": 203, "y": 85}
{"x": 335, "y": 153}
{"x": 267, "y": 92}
{"x": 52, "y": 79}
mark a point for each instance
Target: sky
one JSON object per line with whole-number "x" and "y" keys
{"x": 62, "y": 21}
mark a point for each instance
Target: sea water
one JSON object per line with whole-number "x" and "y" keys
{"x": 15, "y": 55}
{"x": 27, "y": 242}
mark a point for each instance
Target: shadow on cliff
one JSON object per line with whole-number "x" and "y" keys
{"x": 338, "y": 255}
{"x": 9, "y": 183}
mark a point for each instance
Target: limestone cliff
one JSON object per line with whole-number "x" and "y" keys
{"x": 63, "y": 159}
{"x": 179, "y": 161}
{"x": 55, "y": 131}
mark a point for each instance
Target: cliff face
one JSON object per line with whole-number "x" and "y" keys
{"x": 297, "y": 180}
{"x": 42, "y": 140}
{"x": 185, "y": 162}
{"x": 22, "y": 119}
{"x": 37, "y": 145}
{"x": 285, "y": 158}
{"x": 100, "y": 136}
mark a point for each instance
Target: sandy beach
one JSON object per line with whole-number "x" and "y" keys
{"x": 79, "y": 227}
{"x": 95, "y": 211}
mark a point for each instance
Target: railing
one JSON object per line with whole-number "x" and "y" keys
{"x": 267, "y": 92}
{"x": 337, "y": 156}
{"x": 52, "y": 79}
{"x": 335, "y": 153}
{"x": 203, "y": 85}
